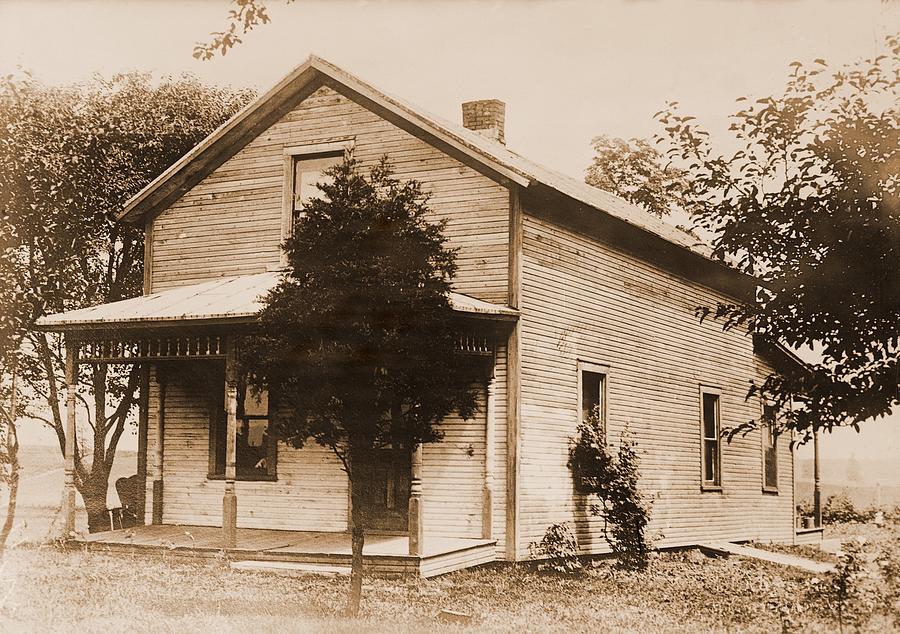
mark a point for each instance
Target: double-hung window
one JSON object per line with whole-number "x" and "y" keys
{"x": 770, "y": 448}
{"x": 711, "y": 429}
{"x": 304, "y": 170}
{"x": 256, "y": 446}
{"x": 307, "y": 173}
{"x": 592, "y": 391}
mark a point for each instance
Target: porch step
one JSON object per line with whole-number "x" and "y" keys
{"x": 291, "y": 568}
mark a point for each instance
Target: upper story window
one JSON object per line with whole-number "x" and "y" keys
{"x": 592, "y": 391}
{"x": 711, "y": 425}
{"x": 770, "y": 448}
{"x": 304, "y": 170}
{"x": 307, "y": 173}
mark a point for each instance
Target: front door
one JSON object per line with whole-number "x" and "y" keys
{"x": 384, "y": 489}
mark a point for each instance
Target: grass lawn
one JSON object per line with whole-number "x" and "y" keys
{"x": 46, "y": 589}
{"x": 40, "y": 492}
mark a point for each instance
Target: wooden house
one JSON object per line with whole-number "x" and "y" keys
{"x": 574, "y": 297}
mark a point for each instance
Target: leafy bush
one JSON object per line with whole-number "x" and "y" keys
{"x": 892, "y": 514}
{"x": 839, "y": 508}
{"x": 613, "y": 479}
{"x": 559, "y": 550}
{"x": 887, "y": 560}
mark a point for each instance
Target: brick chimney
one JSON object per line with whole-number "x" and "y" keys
{"x": 486, "y": 117}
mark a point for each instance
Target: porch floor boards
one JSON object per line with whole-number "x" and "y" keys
{"x": 382, "y": 553}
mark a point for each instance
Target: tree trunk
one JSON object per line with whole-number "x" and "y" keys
{"x": 12, "y": 458}
{"x": 12, "y": 455}
{"x": 357, "y": 538}
{"x": 357, "y": 541}
{"x": 93, "y": 492}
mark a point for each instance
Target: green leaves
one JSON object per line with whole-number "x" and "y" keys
{"x": 248, "y": 15}
{"x": 69, "y": 159}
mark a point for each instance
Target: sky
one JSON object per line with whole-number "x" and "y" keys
{"x": 567, "y": 70}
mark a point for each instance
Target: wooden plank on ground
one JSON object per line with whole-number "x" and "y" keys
{"x": 784, "y": 559}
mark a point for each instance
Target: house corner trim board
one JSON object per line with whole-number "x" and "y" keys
{"x": 513, "y": 391}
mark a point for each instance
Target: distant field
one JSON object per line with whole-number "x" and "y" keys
{"x": 41, "y": 487}
{"x": 862, "y": 496}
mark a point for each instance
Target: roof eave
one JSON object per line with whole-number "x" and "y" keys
{"x": 155, "y": 193}
{"x": 782, "y": 358}
{"x": 145, "y": 324}
{"x": 258, "y": 115}
{"x": 649, "y": 246}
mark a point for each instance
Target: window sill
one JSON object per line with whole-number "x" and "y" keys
{"x": 244, "y": 478}
{"x": 770, "y": 490}
{"x": 711, "y": 488}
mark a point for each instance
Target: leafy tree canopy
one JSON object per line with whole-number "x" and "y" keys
{"x": 69, "y": 159}
{"x": 808, "y": 203}
{"x": 359, "y": 338}
{"x": 636, "y": 171}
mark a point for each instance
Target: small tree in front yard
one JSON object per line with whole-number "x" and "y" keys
{"x": 613, "y": 479}
{"x": 849, "y": 594}
{"x": 358, "y": 341}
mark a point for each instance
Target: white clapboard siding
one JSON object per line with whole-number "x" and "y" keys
{"x": 454, "y": 469}
{"x": 230, "y": 223}
{"x": 311, "y": 490}
{"x": 310, "y": 494}
{"x": 583, "y": 300}
{"x": 453, "y": 476}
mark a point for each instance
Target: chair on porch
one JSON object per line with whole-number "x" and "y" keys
{"x": 129, "y": 490}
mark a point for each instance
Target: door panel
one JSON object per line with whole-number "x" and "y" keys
{"x": 384, "y": 489}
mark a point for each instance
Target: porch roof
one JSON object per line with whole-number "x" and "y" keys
{"x": 229, "y": 300}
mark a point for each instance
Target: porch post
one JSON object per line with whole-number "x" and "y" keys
{"x": 817, "y": 489}
{"x": 416, "y": 533}
{"x": 143, "y": 426}
{"x": 159, "y": 447}
{"x": 229, "y": 500}
{"x": 71, "y": 386}
{"x": 487, "y": 497}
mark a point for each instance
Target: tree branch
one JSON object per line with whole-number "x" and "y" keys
{"x": 121, "y": 415}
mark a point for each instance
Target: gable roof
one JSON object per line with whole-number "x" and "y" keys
{"x": 495, "y": 158}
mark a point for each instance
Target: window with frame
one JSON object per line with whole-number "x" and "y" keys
{"x": 256, "y": 446}
{"x": 770, "y": 448}
{"x": 307, "y": 172}
{"x": 592, "y": 392}
{"x": 710, "y": 415}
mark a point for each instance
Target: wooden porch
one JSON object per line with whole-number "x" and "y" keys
{"x": 382, "y": 554}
